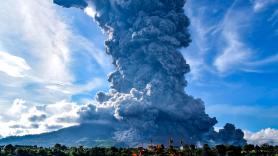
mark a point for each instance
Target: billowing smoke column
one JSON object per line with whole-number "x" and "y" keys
{"x": 146, "y": 100}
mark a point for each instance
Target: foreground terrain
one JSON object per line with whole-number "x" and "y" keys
{"x": 156, "y": 150}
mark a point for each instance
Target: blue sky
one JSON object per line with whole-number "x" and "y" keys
{"x": 234, "y": 60}
{"x": 52, "y": 61}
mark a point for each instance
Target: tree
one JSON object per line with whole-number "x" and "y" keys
{"x": 248, "y": 148}
{"x": 41, "y": 152}
{"x": 234, "y": 150}
{"x": 221, "y": 149}
{"x": 21, "y": 152}
{"x": 9, "y": 149}
{"x": 206, "y": 150}
{"x": 58, "y": 146}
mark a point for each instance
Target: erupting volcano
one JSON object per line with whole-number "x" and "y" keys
{"x": 146, "y": 100}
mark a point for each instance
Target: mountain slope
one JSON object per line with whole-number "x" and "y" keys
{"x": 85, "y": 135}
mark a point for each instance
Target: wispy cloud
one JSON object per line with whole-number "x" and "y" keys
{"x": 40, "y": 44}
{"x": 37, "y": 74}
{"x": 233, "y": 51}
{"x": 201, "y": 32}
{"x": 32, "y": 31}
{"x": 234, "y": 54}
{"x": 243, "y": 110}
{"x": 76, "y": 89}
{"x": 265, "y": 61}
{"x": 13, "y": 65}
{"x": 43, "y": 37}
{"x": 217, "y": 45}
{"x": 220, "y": 39}
{"x": 95, "y": 53}
{"x": 259, "y": 5}
{"x": 274, "y": 18}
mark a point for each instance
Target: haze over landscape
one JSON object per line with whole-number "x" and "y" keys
{"x": 158, "y": 56}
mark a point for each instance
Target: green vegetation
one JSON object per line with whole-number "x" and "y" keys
{"x": 151, "y": 150}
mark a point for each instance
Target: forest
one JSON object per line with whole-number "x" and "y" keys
{"x": 150, "y": 150}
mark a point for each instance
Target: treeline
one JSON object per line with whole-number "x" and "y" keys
{"x": 151, "y": 150}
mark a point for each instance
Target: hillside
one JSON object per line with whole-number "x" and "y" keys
{"x": 85, "y": 135}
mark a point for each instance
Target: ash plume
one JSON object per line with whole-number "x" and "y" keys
{"x": 146, "y": 100}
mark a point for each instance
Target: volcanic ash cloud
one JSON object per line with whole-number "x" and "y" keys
{"x": 146, "y": 100}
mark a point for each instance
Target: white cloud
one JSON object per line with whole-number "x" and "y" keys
{"x": 234, "y": 55}
{"x": 233, "y": 51}
{"x": 13, "y": 65}
{"x": 34, "y": 31}
{"x": 18, "y": 107}
{"x": 75, "y": 89}
{"x": 48, "y": 38}
{"x": 265, "y": 61}
{"x": 38, "y": 33}
{"x": 267, "y": 135}
{"x": 259, "y": 5}
{"x": 22, "y": 118}
{"x": 219, "y": 44}
{"x": 90, "y": 11}
{"x": 219, "y": 40}
{"x": 199, "y": 48}
{"x": 43, "y": 74}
